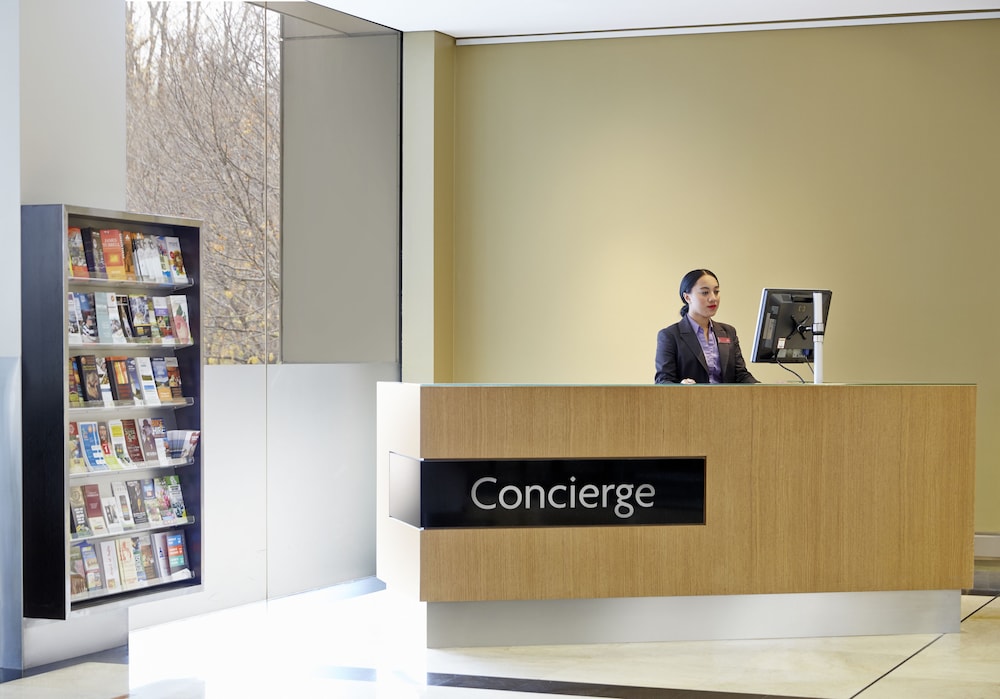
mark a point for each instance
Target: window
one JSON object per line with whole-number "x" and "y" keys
{"x": 208, "y": 138}
{"x": 203, "y": 141}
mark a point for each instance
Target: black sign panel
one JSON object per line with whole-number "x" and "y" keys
{"x": 435, "y": 493}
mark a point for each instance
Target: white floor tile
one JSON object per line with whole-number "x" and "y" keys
{"x": 322, "y": 645}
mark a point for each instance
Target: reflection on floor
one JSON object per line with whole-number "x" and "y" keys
{"x": 349, "y": 642}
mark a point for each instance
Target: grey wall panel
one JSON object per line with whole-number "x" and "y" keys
{"x": 340, "y": 199}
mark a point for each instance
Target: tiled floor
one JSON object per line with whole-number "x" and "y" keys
{"x": 347, "y": 642}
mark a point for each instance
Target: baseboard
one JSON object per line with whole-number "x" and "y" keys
{"x": 708, "y": 618}
{"x": 987, "y": 545}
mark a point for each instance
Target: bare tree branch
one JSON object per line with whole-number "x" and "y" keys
{"x": 202, "y": 142}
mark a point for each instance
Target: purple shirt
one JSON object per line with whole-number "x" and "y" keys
{"x": 710, "y": 348}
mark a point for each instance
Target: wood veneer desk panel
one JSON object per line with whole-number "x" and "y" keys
{"x": 828, "y": 488}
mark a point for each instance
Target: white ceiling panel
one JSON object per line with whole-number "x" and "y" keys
{"x": 464, "y": 19}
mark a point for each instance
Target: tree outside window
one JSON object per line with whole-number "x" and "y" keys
{"x": 203, "y": 142}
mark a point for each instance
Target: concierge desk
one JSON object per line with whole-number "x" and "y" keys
{"x": 828, "y": 510}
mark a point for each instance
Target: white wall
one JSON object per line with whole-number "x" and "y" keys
{"x": 340, "y": 301}
{"x": 72, "y": 151}
{"x": 288, "y": 451}
{"x": 289, "y": 484}
{"x": 234, "y": 526}
{"x": 321, "y": 474}
{"x": 73, "y": 103}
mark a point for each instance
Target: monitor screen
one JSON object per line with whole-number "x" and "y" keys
{"x": 785, "y": 325}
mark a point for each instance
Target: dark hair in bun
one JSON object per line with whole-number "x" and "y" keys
{"x": 688, "y": 282}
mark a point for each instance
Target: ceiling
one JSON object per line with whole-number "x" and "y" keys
{"x": 469, "y": 19}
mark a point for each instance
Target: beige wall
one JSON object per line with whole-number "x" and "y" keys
{"x": 428, "y": 206}
{"x": 591, "y": 175}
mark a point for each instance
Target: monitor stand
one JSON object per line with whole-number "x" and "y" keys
{"x": 817, "y": 330}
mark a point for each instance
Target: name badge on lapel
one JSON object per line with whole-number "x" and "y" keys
{"x": 723, "y": 340}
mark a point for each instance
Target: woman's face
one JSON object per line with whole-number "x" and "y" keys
{"x": 703, "y": 299}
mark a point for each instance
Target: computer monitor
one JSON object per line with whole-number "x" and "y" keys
{"x": 784, "y": 332}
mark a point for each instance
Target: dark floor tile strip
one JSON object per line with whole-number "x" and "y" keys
{"x": 529, "y": 686}
{"x": 898, "y": 665}
{"x": 983, "y": 604}
{"x": 584, "y": 689}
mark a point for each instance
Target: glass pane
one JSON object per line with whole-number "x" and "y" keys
{"x": 203, "y": 125}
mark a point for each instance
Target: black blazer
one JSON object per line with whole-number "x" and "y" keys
{"x": 679, "y": 355}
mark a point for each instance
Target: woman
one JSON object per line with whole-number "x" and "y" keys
{"x": 698, "y": 349}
